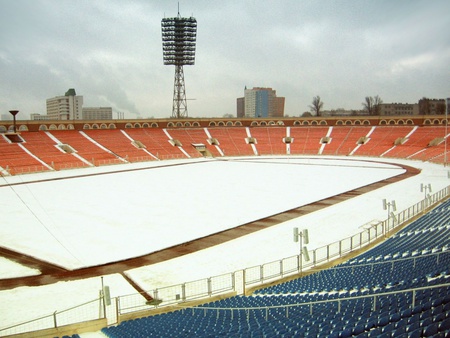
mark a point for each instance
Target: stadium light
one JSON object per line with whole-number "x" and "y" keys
{"x": 302, "y": 237}
{"x": 178, "y": 41}
{"x": 391, "y": 207}
{"x": 14, "y": 113}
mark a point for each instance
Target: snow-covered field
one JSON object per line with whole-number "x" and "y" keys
{"x": 74, "y": 220}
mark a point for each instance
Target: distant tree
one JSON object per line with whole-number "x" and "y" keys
{"x": 377, "y": 105}
{"x": 228, "y": 116}
{"x": 316, "y": 106}
{"x": 372, "y": 105}
{"x": 424, "y": 106}
{"x": 306, "y": 114}
{"x": 368, "y": 104}
{"x": 440, "y": 108}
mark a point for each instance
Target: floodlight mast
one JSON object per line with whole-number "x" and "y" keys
{"x": 178, "y": 40}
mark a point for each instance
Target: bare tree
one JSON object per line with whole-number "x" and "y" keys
{"x": 316, "y": 106}
{"x": 368, "y": 105}
{"x": 377, "y": 105}
{"x": 372, "y": 105}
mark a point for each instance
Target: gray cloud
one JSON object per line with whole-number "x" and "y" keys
{"x": 110, "y": 52}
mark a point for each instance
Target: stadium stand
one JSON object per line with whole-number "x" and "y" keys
{"x": 383, "y": 139}
{"x": 188, "y": 139}
{"x": 307, "y": 141}
{"x": 63, "y": 149}
{"x": 84, "y": 147}
{"x": 156, "y": 142}
{"x": 44, "y": 148}
{"x": 15, "y": 159}
{"x": 399, "y": 288}
{"x": 120, "y": 144}
{"x": 269, "y": 140}
{"x": 345, "y": 140}
{"x": 232, "y": 141}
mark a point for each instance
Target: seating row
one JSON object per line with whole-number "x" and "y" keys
{"x": 56, "y": 150}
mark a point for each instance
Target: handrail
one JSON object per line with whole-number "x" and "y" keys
{"x": 373, "y": 295}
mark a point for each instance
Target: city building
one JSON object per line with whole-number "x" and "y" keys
{"x": 260, "y": 102}
{"x": 6, "y": 117}
{"x": 39, "y": 117}
{"x": 97, "y": 113}
{"x": 67, "y": 107}
{"x": 431, "y": 106}
{"x": 399, "y": 109}
{"x": 343, "y": 112}
{"x": 70, "y": 107}
{"x": 240, "y": 107}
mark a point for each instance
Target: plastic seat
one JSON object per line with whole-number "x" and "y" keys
{"x": 406, "y": 313}
{"x": 374, "y": 332}
{"x": 444, "y": 325}
{"x": 383, "y": 321}
{"x": 358, "y": 329}
{"x": 412, "y": 327}
{"x": 430, "y": 330}
{"x": 399, "y": 331}
{"x": 416, "y": 333}
{"x": 346, "y": 333}
{"x": 395, "y": 317}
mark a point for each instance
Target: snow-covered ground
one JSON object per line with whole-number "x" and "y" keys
{"x": 89, "y": 220}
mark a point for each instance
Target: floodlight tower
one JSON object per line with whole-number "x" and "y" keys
{"x": 178, "y": 41}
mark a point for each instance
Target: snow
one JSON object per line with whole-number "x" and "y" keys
{"x": 75, "y": 220}
{"x": 11, "y": 269}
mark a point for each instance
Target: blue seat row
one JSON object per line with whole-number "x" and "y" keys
{"x": 401, "y": 262}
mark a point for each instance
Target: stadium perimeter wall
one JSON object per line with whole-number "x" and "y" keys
{"x": 29, "y": 125}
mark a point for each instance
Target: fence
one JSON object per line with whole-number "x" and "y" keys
{"x": 236, "y": 282}
{"x": 81, "y": 313}
{"x": 310, "y": 305}
{"x": 257, "y": 275}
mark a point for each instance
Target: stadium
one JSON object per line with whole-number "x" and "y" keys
{"x": 184, "y": 228}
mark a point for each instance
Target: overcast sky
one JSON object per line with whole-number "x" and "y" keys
{"x": 111, "y": 52}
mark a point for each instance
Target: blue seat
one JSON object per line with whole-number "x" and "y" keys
{"x": 375, "y": 332}
{"x": 395, "y": 317}
{"x": 406, "y": 313}
{"x": 383, "y": 321}
{"x": 399, "y": 331}
{"x": 444, "y": 325}
{"x": 357, "y": 330}
{"x": 412, "y": 327}
{"x": 415, "y": 334}
{"x": 430, "y": 330}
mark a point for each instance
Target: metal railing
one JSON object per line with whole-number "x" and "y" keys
{"x": 239, "y": 281}
{"x": 91, "y": 310}
{"x": 375, "y": 302}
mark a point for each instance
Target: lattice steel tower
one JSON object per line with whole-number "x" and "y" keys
{"x": 178, "y": 41}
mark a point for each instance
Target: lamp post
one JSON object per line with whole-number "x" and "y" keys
{"x": 391, "y": 207}
{"x": 424, "y": 188}
{"x": 14, "y": 113}
{"x": 303, "y": 238}
{"x": 446, "y": 131}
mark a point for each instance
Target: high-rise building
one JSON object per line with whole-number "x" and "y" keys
{"x": 260, "y": 102}
{"x": 67, "y": 107}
